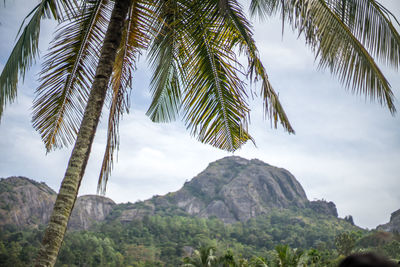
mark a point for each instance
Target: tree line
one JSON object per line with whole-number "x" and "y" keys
{"x": 168, "y": 240}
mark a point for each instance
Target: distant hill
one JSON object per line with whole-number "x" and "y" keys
{"x": 393, "y": 225}
{"x": 231, "y": 189}
{"x": 27, "y": 203}
{"x": 24, "y": 202}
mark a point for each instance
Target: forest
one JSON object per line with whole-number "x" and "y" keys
{"x": 295, "y": 237}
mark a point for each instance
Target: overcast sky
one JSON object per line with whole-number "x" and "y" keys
{"x": 346, "y": 149}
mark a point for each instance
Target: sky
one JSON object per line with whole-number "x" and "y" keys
{"x": 346, "y": 149}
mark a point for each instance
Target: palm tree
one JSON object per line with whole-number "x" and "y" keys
{"x": 258, "y": 262}
{"x": 287, "y": 257}
{"x": 193, "y": 47}
{"x": 204, "y": 257}
{"x": 227, "y": 260}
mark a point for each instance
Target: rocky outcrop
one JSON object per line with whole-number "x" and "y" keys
{"x": 231, "y": 189}
{"x": 323, "y": 207}
{"x": 393, "y": 225}
{"x": 235, "y": 189}
{"x": 88, "y": 210}
{"x": 135, "y": 211}
{"x": 27, "y": 203}
{"x": 24, "y": 202}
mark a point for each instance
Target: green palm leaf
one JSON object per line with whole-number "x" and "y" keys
{"x": 370, "y": 23}
{"x": 67, "y": 74}
{"x": 215, "y": 101}
{"x": 330, "y": 35}
{"x": 346, "y": 57}
{"x": 26, "y": 47}
{"x": 164, "y": 56}
{"x": 235, "y": 19}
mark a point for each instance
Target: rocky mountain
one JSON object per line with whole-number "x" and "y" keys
{"x": 90, "y": 209}
{"x": 24, "y": 202}
{"x": 231, "y": 189}
{"x": 393, "y": 225}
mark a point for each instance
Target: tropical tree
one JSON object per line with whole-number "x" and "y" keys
{"x": 227, "y": 260}
{"x": 288, "y": 257}
{"x": 345, "y": 243}
{"x": 204, "y": 257}
{"x": 193, "y": 48}
{"x": 258, "y": 262}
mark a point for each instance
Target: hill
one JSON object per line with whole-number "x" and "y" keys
{"x": 245, "y": 206}
{"x": 27, "y": 203}
{"x": 232, "y": 189}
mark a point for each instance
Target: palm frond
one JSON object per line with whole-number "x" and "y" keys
{"x": 134, "y": 39}
{"x": 215, "y": 104}
{"x": 345, "y": 56}
{"x": 236, "y": 20}
{"x": 370, "y": 23}
{"x": 67, "y": 74}
{"x": 167, "y": 80}
{"x": 25, "y": 50}
{"x": 265, "y": 8}
{"x": 331, "y": 37}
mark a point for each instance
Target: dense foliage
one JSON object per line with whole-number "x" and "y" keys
{"x": 314, "y": 239}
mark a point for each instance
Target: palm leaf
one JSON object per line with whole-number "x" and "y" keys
{"x": 25, "y": 50}
{"x": 345, "y": 56}
{"x": 236, "y": 20}
{"x": 370, "y": 23}
{"x": 67, "y": 74}
{"x": 215, "y": 104}
{"x": 330, "y": 35}
{"x": 134, "y": 39}
{"x": 168, "y": 74}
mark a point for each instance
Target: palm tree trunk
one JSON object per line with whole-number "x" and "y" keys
{"x": 66, "y": 198}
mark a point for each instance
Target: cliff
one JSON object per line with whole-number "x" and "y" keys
{"x": 27, "y": 203}
{"x": 24, "y": 202}
{"x": 393, "y": 225}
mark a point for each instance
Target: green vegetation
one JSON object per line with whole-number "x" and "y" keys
{"x": 281, "y": 238}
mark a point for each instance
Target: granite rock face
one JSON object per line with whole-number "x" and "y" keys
{"x": 24, "y": 202}
{"x": 235, "y": 189}
{"x": 135, "y": 211}
{"x": 393, "y": 225}
{"x": 88, "y": 210}
{"x": 27, "y": 203}
{"x": 324, "y": 207}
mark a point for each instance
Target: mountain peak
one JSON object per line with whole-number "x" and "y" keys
{"x": 237, "y": 189}
{"x": 238, "y": 160}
